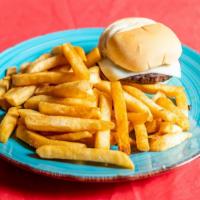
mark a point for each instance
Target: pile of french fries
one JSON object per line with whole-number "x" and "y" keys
{"x": 59, "y": 105}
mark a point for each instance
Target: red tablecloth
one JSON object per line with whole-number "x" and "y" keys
{"x": 23, "y": 19}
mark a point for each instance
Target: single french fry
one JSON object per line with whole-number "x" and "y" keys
{"x": 102, "y": 139}
{"x": 94, "y": 75}
{"x": 4, "y": 104}
{"x": 168, "y": 127}
{"x": 76, "y": 136}
{"x": 104, "y": 86}
{"x": 46, "y": 64}
{"x": 181, "y": 120}
{"x": 136, "y": 118}
{"x": 85, "y": 154}
{"x": 8, "y": 124}
{"x": 11, "y": 70}
{"x": 61, "y": 68}
{"x": 65, "y": 124}
{"x": 26, "y": 112}
{"x": 153, "y": 126}
{"x": 4, "y": 86}
{"x": 24, "y": 67}
{"x": 93, "y": 57}
{"x": 43, "y": 77}
{"x": 164, "y": 142}
{"x": 36, "y": 140}
{"x": 75, "y": 89}
{"x": 157, "y": 110}
{"x": 158, "y": 95}
{"x": 121, "y": 117}
{"x": 78, "y": 66}
{"x": 18, "y": 95}
{"x": 169, "y": 90}
{"x": 80, "y": 52}
{"x": 141, "y": 135}
{"x": 42, "y": 57}
{"x": 34, "y": 101}
{"x": 69, "y": 110}
{"x": 181, "y": 102}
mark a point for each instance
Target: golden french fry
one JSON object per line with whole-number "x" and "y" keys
{"x": 121, "y": 117}
{"x": 164, "y": 142}
{"x": 181, "y": 102}
{"x": 62, "y": 68}
{"x": 158, "y": 95}
{"x": 141, "y": 135}
{"x": 75, "y": 89}
{"x": 103, "y": 86}
{"x": 168, "y": 127}
{"x": 11, "y": 70}
{"x": 36, "y": 140}
{"x": 46, "y": 64}
{"x": 102, "y": 139}
{"x": 34, "y": 101}
{"x": 69, "y": 110}
{"x": 94, "y": 75}
{"x": 43, "y": 77}
{"x": 8, "y": 124}
{"x": 153, "y": 126}
{"x": 18, "y": 95}
{"x": 169, "y": 90}
{"x": 78, "y": 66}
{"x": 4, "y": 86}
{"x": 80, "y": 52}
{"x": 93, "y": 57}
{"x": 136, "y": 118}
{"x": 181, "y": 120}
{"x": 65, "y": 124}
{"x": 4, "y": 104}
{"x": 76, "y": 136}
{"x": 42, "y": 57}
{"x": 26, "y": 112}
{"x": 157, "y": 110}
{"x": 85, "y": 154}
{"x": 24, "y": 67}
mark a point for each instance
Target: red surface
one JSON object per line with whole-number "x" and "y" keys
{"x": 23, "y": 19}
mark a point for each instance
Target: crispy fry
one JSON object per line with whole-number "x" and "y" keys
{"x": 153, "y": 126}
{"x": 85, "y": 154}
{"x": 103, "y": 86}
{"x": 62, "y": 68}
{"x": 157, "y": 110}
{"x": 136, "y": 118}
{"x": 94, "y": 75}
{"x": 4, "y": 86}
{"x": 24, "y": 67}
{"x": 11, "y": 70}
{"x": 168, "y": 127}
{"x": 18, "y": 95}
{"x": 141, "y": 137}
{"x": 42, "y": 57}
{"x": 4, "y": 104}
{"x": 35, "y": 140}
{"x": 69, "y": 110}
{"x": 81, "y": 53}
{"x": 93, "y": 57}
{"x": 65, "y": 124}
{"x": 121, "y": 117}
{"x": 76, "y": 62}
{"x": 76, "y": 136}
{"x": 158, "y": 95}
{"x": 8, "y": 124}
{"x": 181, "y": 120}
{"x": 26, "y": 112}
{"x": 34, "y": 101}
{"x": 46, "y": 64}
{"x": 164, "y": 142}
{"x": 181, "y": 102}
{"x": 102, "y": 139}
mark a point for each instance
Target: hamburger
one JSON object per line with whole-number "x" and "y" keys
{"x": 140, "y": 50}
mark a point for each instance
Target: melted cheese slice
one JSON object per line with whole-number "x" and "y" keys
{"x": 114, "y": 73}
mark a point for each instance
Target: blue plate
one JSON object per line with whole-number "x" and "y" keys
{"x": 146, "y": 164}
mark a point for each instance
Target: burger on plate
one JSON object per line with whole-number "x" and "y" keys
{"x": 139, "y": 50}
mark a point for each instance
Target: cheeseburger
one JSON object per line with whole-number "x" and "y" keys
{"x": 139, "y": 50}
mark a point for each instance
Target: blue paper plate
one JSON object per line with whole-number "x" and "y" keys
{"x": 146, "y": 164}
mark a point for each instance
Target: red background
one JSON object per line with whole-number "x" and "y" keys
{"x": 23, "y": 19}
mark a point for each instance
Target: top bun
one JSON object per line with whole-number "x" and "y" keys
{"x": 139, "y": 44}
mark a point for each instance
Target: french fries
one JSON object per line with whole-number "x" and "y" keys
{"x": 18, "y": 95}
{"x": 153, "y": 126}
{"x": 121, "y": 117}
{"x": 102, "y": 139}
{"x": 65, "y": 124}
{"x": 168, "y": 127}
{"x": 11, "y": 70}
{"x": 85, "y": 154}
{"x": 76, "y": 62}
{"x": 72, "y": 111}
{"x": 8, "y": 124}
{"x": 136, "y": 118}
{"x": 181, "y": 102}
{"x": 94, "y": 75}
{"x": 93, "y": 57}
{"x": 35, "y": 140}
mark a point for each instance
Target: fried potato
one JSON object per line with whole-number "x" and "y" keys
{"x": 136, "y": 118}
{"x": 34, "y": 101}
{"x": 85, "y": 154}
{"x": 24, "y": 67}
{"x": 11, "y": 70}
{"x": 26, "y": 112}
{"x": 65, "y": 124}
{"x": 43, "y": 77}
{"x": 8, "y": 124}
{"x": 78, "y": 66}
{"x": 93, "y": 57}
{"x": 61, "y": 68}
{"x": 94, "y": 75}
{"x": 164, "y": 142}
{"x": 36, "y": 140}
{"x": 4, "y": 104}
{"x": 168, "y": 127}
{"x": 153, "y": 126}
{"x": 46, "y": 64}
{"x": 69, "y": 110}
{"x": 4, "y": 86}
{"x": 181, "y": 102}
{"x": 121, "y": 117}
{"x": 158, "y": 95}
{"x": 76, "y": 136}
{"x": 141, "y": 136}
{"x": 103, "y": 86}
{"x": 181, "y": 120}
{"x": 102, "y": 139}
{"x": 18, "y": 95}
{"x": 157, "y": 110}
